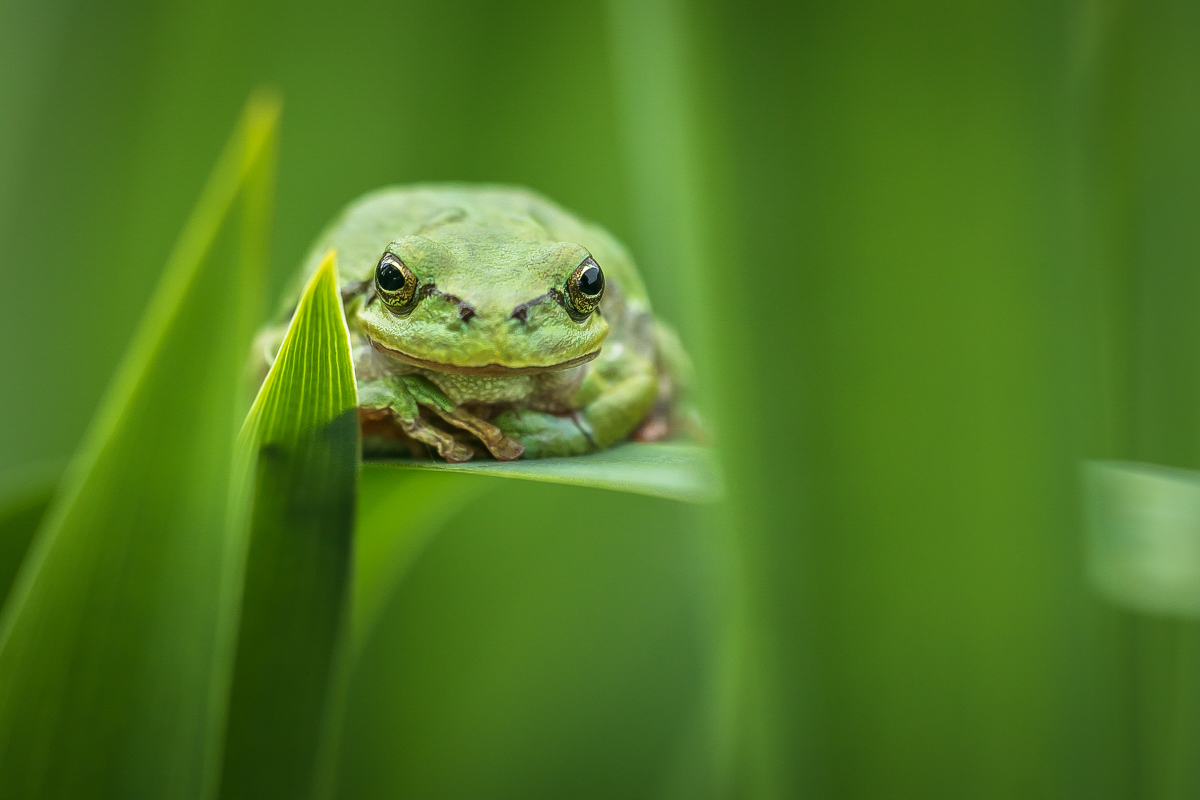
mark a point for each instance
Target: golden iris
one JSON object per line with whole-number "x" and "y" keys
{"x": 396, "y": 284}
{"x": 585, "y": 287}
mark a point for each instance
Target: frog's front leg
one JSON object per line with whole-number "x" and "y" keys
{"x": 403, "y": 395}
{"x": 615, "y": 397}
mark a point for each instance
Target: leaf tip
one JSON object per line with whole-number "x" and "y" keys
{"x": 263, "y": 108}
{"x": 327, "y": 271}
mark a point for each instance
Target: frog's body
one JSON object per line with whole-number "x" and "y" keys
{"x": 490, "y": 314}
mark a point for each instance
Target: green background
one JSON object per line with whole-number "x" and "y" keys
{"x": 929, "y": 255}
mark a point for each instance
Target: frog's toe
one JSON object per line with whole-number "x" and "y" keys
{"x": 447, "y": 446}
{"x": 503, "y": 448}
{"x": 506, "y": 448}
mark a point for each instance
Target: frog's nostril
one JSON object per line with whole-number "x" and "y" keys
{"x": 520, "y": 314}
{"x": 465, "y": 312}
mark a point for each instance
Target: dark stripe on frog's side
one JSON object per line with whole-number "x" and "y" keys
{"x": 486, "y": 369}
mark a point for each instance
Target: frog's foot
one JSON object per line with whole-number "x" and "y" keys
{"x": 501, "y": 446}
{"x": 447, "y": 446}
{"x": 405, "y": 395}
{"x": 394, "y": 397}
{"x": 545, "y": 434}
{"x": 428, "y": 395}
{"x": 382, "y": 434}
{"x": 654, "y": 428}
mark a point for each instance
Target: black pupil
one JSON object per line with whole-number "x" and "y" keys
{"x": 390, "y": 278}
{"x": 591, "y": 280}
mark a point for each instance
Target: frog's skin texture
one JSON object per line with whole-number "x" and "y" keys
{"x": 488, "y": 345}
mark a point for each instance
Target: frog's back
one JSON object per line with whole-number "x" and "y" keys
{"x": 362, "y": 231}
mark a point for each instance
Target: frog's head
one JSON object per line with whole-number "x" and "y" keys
{"x": 478, "y": 300}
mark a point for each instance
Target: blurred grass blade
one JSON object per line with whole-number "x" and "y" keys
{"x": 679, "y": 166}
{"x": 683, "y": 472}
{"x": 1144, "y": 535}
{"x": 303, "y": 433}
{"x": 112, "y": 643}
{"x": 24, "y": 499}
{"x": 387, "y": 543}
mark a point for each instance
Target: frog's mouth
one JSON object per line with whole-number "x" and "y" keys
{"x": 486, "y": 369}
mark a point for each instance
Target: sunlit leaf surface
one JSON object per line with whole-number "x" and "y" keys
{"x": 115, "y": 635}
{"x": 311, "y": 382}
{"x": 672, "y": 471}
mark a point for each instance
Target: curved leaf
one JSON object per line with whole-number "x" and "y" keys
{"x": 673, "y": 471}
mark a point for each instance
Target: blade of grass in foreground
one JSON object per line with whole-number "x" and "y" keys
{"x": 114, "y": 638}
{"x": 303, "y": 433}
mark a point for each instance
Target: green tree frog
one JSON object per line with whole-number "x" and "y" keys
{"x": 489, "y": 320}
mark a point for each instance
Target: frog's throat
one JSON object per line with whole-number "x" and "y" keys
{"x": 486, "y": 369}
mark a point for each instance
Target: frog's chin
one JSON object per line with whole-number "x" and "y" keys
{"x": 486, "y": 369}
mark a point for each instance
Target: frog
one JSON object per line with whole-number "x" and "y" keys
{"x": 488, "y": 321}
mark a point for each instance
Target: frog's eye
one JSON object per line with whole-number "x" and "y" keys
{"x": 585, "y": 287}
{"x": 395, "y": 283}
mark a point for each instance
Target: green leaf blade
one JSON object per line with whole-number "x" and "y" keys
{"x": 683, "y": 472}
{"x": 302, "y": 432}
{"x": 112, "y": 639}
{"x": 311, "y": 382}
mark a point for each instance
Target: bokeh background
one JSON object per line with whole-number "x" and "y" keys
{"x": 929, "y": 255}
